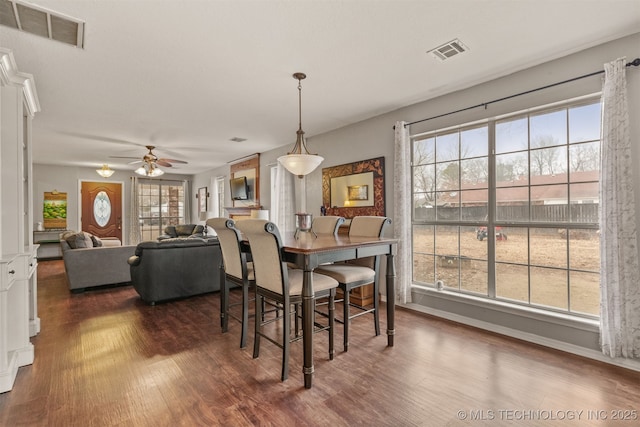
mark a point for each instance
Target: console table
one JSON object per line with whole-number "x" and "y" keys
{"x": 49, "y": 242}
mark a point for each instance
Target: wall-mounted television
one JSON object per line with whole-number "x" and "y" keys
{"x": 239, "y": 188}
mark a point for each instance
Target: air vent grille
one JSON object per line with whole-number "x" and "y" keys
{"x": 448, "y": 50}
{"x": 41, "y": 22}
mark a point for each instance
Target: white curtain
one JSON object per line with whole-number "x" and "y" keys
{"x": 283, "y": 210}
{"x": 619, "y": 267}
{"x": 135, "y": 236}
{"x": 186, "y": 203}
{"x": 402, "y": 211}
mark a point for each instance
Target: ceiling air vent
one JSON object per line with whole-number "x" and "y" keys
{"x": 448, "y": 50}
{"x": 42, "y": 22}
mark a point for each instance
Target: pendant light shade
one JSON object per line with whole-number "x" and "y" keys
{"x": 149, "y": 169}
{"x": 299, "y": 161}
{"x": 105, "y": 172}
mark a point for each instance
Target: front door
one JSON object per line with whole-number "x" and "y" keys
{"x": 102, "y": 209}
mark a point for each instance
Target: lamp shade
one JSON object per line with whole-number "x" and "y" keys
{"x": 105, "y": 172}
{"x": 149, "y": 169}
{"x": 300, "y": 164}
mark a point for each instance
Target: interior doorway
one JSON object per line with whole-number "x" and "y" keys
{"x": 102, "y": 208}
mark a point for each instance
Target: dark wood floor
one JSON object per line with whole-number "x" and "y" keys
{"x": 103, "y": 358}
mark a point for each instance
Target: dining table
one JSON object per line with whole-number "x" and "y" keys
{"x": 307, "y": 251}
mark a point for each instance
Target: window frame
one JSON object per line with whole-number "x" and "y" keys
{"x": 491, "y": 222}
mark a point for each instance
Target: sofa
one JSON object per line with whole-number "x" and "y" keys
{"x": 175, "y": 268}
{"x": 101, "y": 262}
{"x": 182, "y": 231}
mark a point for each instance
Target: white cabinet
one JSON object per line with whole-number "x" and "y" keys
{"x": 18, "y": 260}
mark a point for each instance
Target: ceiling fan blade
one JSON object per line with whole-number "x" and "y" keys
{"x": 161, "y": 162}
{"x": 182, "y": 162}
{"x": 134, "y": 162}
{"x": 124, "y": 157}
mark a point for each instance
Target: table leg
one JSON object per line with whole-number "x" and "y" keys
{"x": 308, "y": 305}
{"x": 391, "y": 299}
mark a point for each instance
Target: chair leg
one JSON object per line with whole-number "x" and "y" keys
{"x": 345, "y": 317}
{"x": 332, "y": 309}
{"x": 258, "y": 323}
{"x": 245, "y": 314}
{"x": 286, "y": 340}
{"x": 224, "y": 304}
{"x": 376, "y": 306}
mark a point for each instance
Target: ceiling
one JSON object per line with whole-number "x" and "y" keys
{"x": 188, "y": 76}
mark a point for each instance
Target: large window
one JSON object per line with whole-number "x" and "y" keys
{"x": 161, "y": 204}
{"x": 508, "y": 209}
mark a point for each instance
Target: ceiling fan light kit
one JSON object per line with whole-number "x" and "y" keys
{"x": 105, "y": 172}
{"x": 297, "y": 161}
{"x": 149, "y": 169}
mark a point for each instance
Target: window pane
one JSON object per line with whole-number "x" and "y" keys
{"x": 548, "y": 248}
{"x": 584, "y": 123}
{"x": 424, "y": 178}
{"x": 584, "y": 162}
{"x": 585, "y": 292}
{"x": 423, "y": 205}
{"x": 515, "y": 248}
{"x": 474, "y": 142}
{"x": 512, "y": 169}
{"x": 424, "y": 269}
{"x": 474, "y": 205}
{"x": 447, "y": 239}
{"x": 447, "y": 147}
{"x": 584, "y": 248}
{"x": 549, "y": 203}
{"x": 424, "y": 151}
{"x": 549, "y": 287}
{"x": 549, "y": 129}
{"x": 512, "y": 135}
{"x": 448, "y": 176}
{"x": 584, "y": 202}
{"x": 448, "y": 208}
{"x": 548, "y": 165}
{"x": 471, "y": 246}
{"x": 512, "y": 204}
{"x": 512, "y": 282}
{"x": 475, "y": 173}
{"x": 474, "y": 276}
{"x": 423, "y": 239}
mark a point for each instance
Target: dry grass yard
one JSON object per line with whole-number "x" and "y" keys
{"x": 559, "y": 277}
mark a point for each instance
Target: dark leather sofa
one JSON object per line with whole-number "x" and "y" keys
{"x": 175, "y": 268}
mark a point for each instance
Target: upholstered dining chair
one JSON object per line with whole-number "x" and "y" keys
{"x": 327, "y": 224}
{"x": 359, "y": 272}
{"x": 275, "y": 281}
{"x": 236, "y": 270}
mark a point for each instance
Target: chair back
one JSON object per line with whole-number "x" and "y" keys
{"x": 229, "y": 238}
{"x": 327, "y": 224}
{"x": 269, "y": 270}
{"x": 368, "y": 226}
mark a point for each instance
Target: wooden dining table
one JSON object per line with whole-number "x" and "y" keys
{"x": 308, "y": 251}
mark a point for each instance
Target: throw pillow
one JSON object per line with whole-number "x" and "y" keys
{"x": 97, "y": 243}
{"x": 79, "y": 240}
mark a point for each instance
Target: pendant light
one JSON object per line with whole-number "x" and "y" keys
{"x": 299, "y": 161}
{"x": 105, "y": 172}
{"x": 149, "y": 169}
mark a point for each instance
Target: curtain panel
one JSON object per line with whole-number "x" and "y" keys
{"x": 619, "y": 287}
{"x": 402, "y": 211}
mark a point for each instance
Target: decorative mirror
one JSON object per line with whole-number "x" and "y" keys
{"x": 354, "y": 189}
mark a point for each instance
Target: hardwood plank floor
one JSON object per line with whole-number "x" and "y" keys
{"x": 104, "y": 358}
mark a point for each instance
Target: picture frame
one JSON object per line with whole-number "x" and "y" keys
{"x": 202, "y": 196}
{"x": 358, "y": 192}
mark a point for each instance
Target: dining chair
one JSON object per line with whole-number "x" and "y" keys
{"x": 236, "y": 270}
{"x": 275, "y": 281}
{"x": 327, "y": 224}
{"x": 359, "y": 272}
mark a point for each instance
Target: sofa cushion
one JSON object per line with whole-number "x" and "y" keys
{"x": 97, "y": 242}
{"x": 79, "y": 240}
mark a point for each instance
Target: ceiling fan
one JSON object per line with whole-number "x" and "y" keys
{"x": 151, "y": 158}
{"x": 150, "y": 163}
